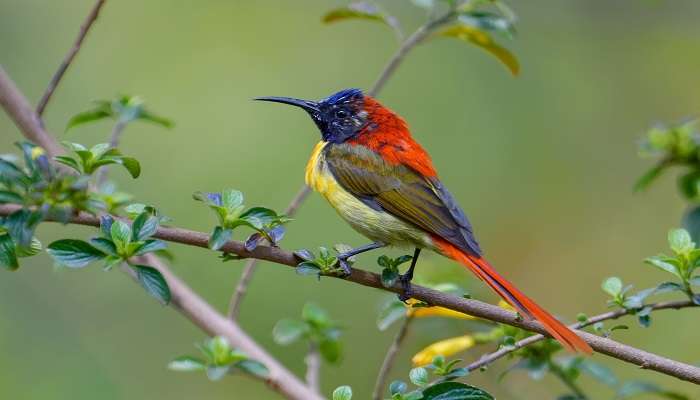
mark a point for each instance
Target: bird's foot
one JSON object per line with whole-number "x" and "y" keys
{"x": 407, "y": 293}
{"x": 344, "y": 269}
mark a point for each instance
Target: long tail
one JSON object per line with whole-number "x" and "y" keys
{"x": 515, "y": 297}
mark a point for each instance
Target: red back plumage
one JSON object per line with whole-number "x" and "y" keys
{"x": 388, "y": 135}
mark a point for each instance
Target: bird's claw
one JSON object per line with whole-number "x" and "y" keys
{"x": 345, "y": 269}
{"x": 407, "y": 289}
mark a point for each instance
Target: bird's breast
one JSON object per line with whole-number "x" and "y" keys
{"x": 374, "y": 224}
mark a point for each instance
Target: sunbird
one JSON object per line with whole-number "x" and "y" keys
{"x": 383, "y": 183}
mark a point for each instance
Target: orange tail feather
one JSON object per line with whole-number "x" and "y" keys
{"x": 568, "y": 338}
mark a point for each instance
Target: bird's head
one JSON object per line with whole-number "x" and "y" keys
{"x": 339, "y": 117}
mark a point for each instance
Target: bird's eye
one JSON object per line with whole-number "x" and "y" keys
{"x": 341, "y": 114}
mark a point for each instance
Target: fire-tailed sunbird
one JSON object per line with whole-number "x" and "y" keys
{"x": 383, "y": 183}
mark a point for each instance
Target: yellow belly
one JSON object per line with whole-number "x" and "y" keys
{"x": 376, "y": 225}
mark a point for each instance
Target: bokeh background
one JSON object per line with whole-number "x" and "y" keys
{"x": 543, "y": 163}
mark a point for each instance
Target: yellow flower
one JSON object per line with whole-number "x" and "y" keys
{"x": 37, "y": 152}
{"x": 443, "y": 348}
{"x": 420, "y": 312}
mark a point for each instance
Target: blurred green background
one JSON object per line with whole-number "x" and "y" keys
{"x": 543, "y": 163}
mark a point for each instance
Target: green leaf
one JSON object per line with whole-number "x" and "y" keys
{"x": 634, "y": 388}
{"x": 455, "y": 391}
{"x": 258, "y": 217}
{"x": 101, "y": 111}
{"x": 612, "y": 286}
{"x": 68, "y": 161}
{"x": 308, "y": 268}
{"x": 219, "y": 237}
{"x": 389, "y": 277}
{"x": 691, "y": 222}
{"x": 131, "y": 164}
{"x": 144, "y": 226}
{"x": 150, "y": 246}
{"x": 74, "y": 253}
{"x": 104, "y": 245}
{"x": 187, "y": 364}
{"x": 419, "y": 376}
{"x": 33, "y": 249}
{"x": 305, "y": 255}
{"x": 665, "y": 264}
{"x": 8, "y": 255}
{"x": 390, "y": 313}
{"x": 342, "y": 393}
{"x": 150, "y": 117}
{"x": 599, "y": 372}
{"x": 483, "y": 40}
{"x": 490, "y": 22}
{"x": 680, "y": 242}
{"x": 152, "y": 280}
{"x": 397, "y": 387}
{"x": 216, "y": 373}
{"x": 315, "y": 315}
{"x": 688, "y": 184}
{"x": 645, "y": 180}
{"x": 330, "y": 350}
{"x": 121, "y": 234}
{"x": 231, "y": 199}
{"x": 253, "y": 367}
{"x": 360, "y": 10}
{"x": 287, "y": 331}
{"x": 666, "y": 287}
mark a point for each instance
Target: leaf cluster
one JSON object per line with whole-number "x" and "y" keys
{"x": 442, "y": 386}
{"x": 315, "y": 327}
{"x": 325, "y": 263}
{"x": 219, "y": 359}
{"x": 87, "y": 161}
{"x": 231, "y": 213}
{"x": 123, "y": 109}
{"x": 117, "y": 244}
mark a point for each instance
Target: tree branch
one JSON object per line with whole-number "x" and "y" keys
{"x": 503, "y": 351}
{"x": 475, "y": 308}
{"x": 23, "y": 115}
{"x": 390, "y": 358}
{"x": 84, "y": 28}
{"x": 184, "y": 299}
{"x": 313, "y": 367}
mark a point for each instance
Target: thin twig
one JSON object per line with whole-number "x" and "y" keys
{"x": 503, "y": 351}
{"x": 411, "y": 42}
{"x": 250, "y": 265}
{"x": 567, "y": 381}
{"x": 184, "y": 299}
{"x": 389, "y": 359}
{"x": 603, "y": 345}
{"x": 84, "y": 28}
{"x": 114, "y": 139}
{"x": 313, "y": 367}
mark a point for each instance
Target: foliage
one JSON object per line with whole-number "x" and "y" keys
{"x": 219, "y": 359}
{"x": 474, "y": 22}
{"x": 442, "y": 386}
{"x": 315, "y": 327}
{"x": 323, "y": 264}
{"x": 123, "y": 109}
{"x": 390, "y": 268}
{"x": 117, "y": 244}
{"x": 229, "y": 208}
{"x": 89, "y": 160}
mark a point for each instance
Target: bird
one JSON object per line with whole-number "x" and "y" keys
{"x": 383, "y": 183}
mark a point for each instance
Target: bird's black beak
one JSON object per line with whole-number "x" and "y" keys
{"x": 310, "y": 106}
